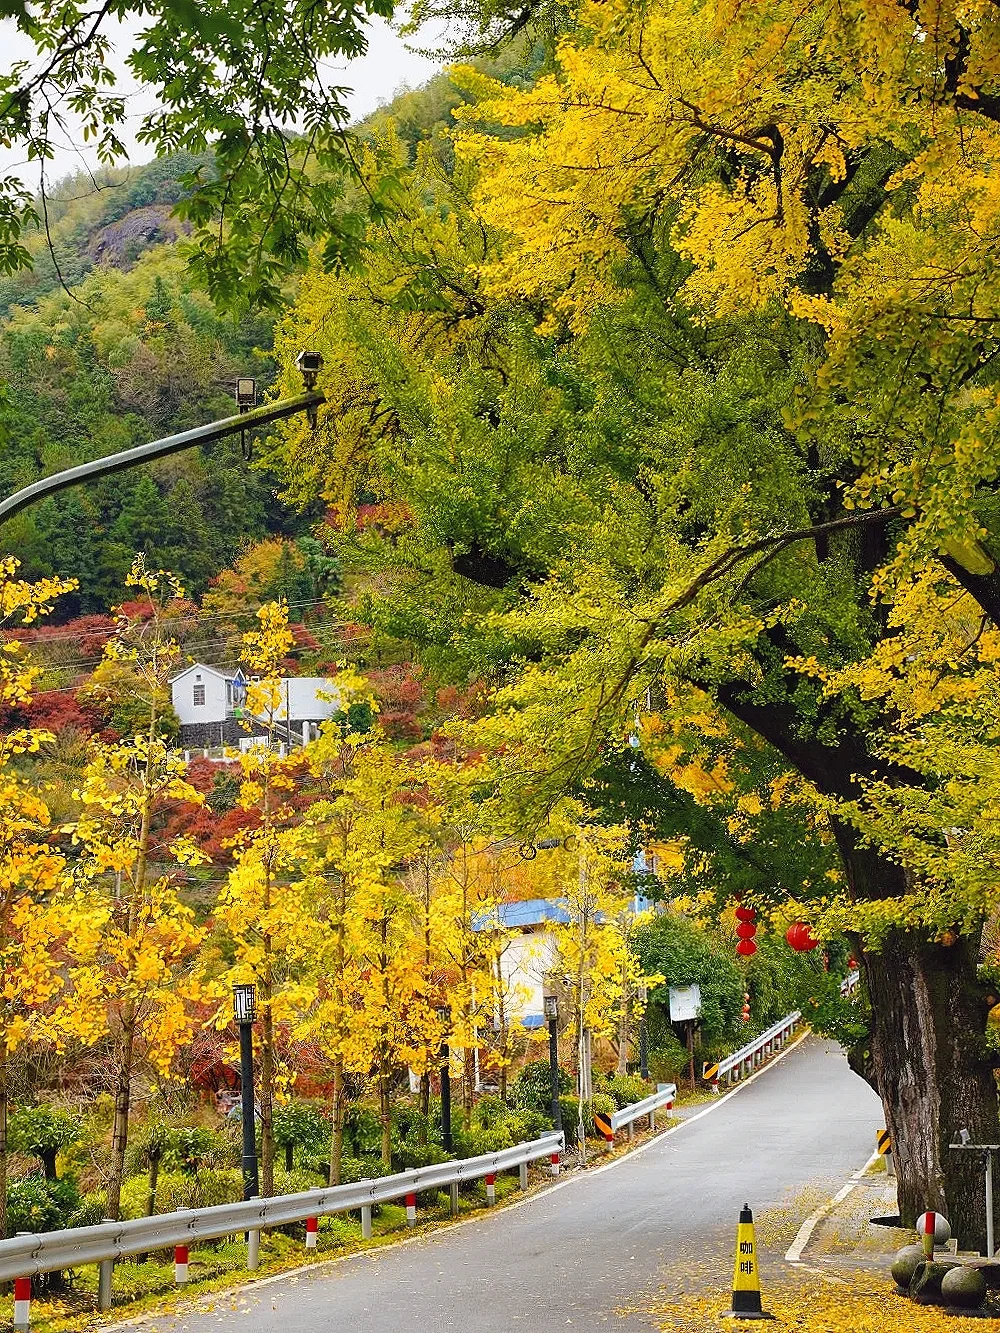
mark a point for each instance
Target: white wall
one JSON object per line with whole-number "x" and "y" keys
{"x": 302, "y": 694}
{"x": 182, "y": 696}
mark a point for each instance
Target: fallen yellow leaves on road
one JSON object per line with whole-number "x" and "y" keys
{"x": 844, "y": 1302}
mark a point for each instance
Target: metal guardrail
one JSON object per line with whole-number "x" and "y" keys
{"x": 746, "y": 1059}
{"x": 48, "y": 1252}
{"x": 753, "y": 1053}
{"x": 648, "y": 1106}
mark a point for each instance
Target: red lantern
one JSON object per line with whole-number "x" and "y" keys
{"x": 745, "y": 914}
{"x": 852, "y": 963}
{"x": 800, "y": 937}
{"x": 746, "y": 930}
{"x": 746, "y": 948}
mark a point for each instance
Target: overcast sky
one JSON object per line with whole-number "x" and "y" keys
{"x": 374, "y": 78}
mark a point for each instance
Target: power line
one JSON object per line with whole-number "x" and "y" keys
{"x": 198, "y": 618}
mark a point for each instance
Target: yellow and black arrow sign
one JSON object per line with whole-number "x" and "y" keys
{"x": 709, "y": 1072}
{"x": 602, "y": 1123}
{"x": 883, "y": 1142}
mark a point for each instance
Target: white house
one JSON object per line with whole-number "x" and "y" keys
{"x": 210, "y": 704}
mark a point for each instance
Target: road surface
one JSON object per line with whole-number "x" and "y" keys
{"x": 594, "y": 1250}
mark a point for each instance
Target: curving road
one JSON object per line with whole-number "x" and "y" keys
{"x": 590, "y": 1252}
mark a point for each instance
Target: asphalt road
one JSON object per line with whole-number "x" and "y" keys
{"x": 594, "y": 1250}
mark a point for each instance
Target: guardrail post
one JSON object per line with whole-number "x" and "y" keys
{"x": 366, "y": 1221}
{"x": 312, "y": 1230}
{"x": 22, "y": 1304}
{"x": 253, "y": 1251}
{"x": 491, "y": 1191}
{"x": 180, "y": 1264}
{"x": 411, "y": 1209}
{"x": 631, "y": 1130}
{"x": 652, "y": 1120}
{"x": 104, "y": 1277}
{"x": 454, "y": 1198}
{"x": 554, "y": 1162}
{"x": 104, "y": 1273}
{"x": 524, "y": 1175}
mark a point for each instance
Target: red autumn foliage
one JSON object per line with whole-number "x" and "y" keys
{"x": 55, "y": 710}
{"x": 401, "y": 699}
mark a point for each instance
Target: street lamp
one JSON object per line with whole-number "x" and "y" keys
{"x": 244, "y": 1012}
{"x": 643, "y": 1035}
{"x": 444, "y": 1014}
{"x": 309, "y": 364}
{"x": 551, "y": 1003}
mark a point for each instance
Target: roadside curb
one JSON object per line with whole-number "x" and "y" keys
{"x": 793, "y": 1255}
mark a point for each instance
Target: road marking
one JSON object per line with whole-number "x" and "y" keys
{"x": 793, "y": 1255}
{"x": 251, "y": 1285}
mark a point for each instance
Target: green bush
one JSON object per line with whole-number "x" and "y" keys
{"x": 627, "y": 1089}
{"x": 533, "y": 1086}
{"x": 353, "y": 1169}
{"x": 603, "y": 1102}
{"x": 303, "y": 1125}
{"x": 408, "y": 1156}
{"x": 362, "y": 1132}
{"x": 41, "y": 1131}
{"x": 92, "y": 1208}
{"x": 295, "y": 1182}
{"x": 180, "y": 1189}
{"x": 36, "y": 1204}
{"x": 669, "y": 1059}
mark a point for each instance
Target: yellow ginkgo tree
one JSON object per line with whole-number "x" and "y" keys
{"x": 133, "y": 979}
{"x": 34, "y": 915}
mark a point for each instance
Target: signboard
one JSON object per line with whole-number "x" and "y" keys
{"x": 685, "y": 1003}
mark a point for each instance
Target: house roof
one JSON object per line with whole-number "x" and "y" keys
{"x": 212, "y": 671}
{"x": 533, "y": 912}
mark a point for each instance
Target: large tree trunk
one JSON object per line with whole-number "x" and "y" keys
{"x": 927, "y": 1057}
{"x": 933, "y": 1075}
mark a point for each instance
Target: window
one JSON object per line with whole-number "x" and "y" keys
{"x": 199, "y": 695}
{"x": 229, "y": 694}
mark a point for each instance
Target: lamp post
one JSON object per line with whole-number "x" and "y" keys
{"x": 443, "y": 1016}
{"x": 244, "y": 1012}
{"x": 643, "y": 1035}
{"x": 551, "y": 1003}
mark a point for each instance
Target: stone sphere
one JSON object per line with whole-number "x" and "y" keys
{"x": 904, "y": 1264}
{"x": 942, "y": 1227}
{"x": 963, "y": 1286}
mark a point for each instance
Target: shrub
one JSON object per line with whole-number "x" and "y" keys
{"x": 533, "y": 1086}
{"x": 627, "y": 1089}
{"x": 37, "y": 1204}
{"x": 92, "y": 1208}
{"x": 669, "y": 1059}
{"x": 408, "y": 1156}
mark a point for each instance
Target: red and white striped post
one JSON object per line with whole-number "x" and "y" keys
{"x": 22, "y": 1304}
{"x": 491, "y": 1191}
{"x": 180, "y": 1264}
{"x": 411, "y": 1210}
{"x": 312, "y": 1229}
{"x": 554, "y": 1162}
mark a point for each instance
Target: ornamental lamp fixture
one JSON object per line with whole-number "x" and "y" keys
{"x": 443, "y": 1013}
{"x": 551, "y": 1003}
{"x": 244, "y": 1002}
{"x": 309, "y": 365}
{"x": 246, "y": 394}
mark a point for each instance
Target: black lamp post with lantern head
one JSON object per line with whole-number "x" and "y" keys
{"x": 444, "y": 1014}
{"x": 551, "y": 1003}
{"x": 244, "y": 1012}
